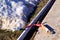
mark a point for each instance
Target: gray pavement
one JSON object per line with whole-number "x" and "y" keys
{"x": 53, "y": 20}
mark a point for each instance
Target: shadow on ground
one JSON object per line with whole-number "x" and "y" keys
{"x": 50, "y": 28}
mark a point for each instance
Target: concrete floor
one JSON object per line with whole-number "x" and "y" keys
{"x": 53, "y": 20}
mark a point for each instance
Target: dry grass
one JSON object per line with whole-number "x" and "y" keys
{"x": 39, "y": 7}
{"x": 9, "y": 35}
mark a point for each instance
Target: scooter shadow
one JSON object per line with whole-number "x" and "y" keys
{"x": 50, "y": 28}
